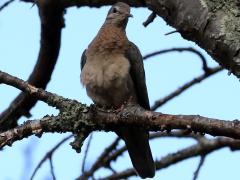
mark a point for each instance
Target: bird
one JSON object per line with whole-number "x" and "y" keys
{"x": 113, "y": 73}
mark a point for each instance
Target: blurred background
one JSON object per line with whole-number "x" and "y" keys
{"x": 216, "y": 97}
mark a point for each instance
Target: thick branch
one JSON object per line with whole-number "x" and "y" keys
{"x": 49, "y": 98}
{"x": 212, "y": 25}
{"x": 99, "y": 3}
{"x": 96, "y": 3}
{"x": 51, "y": 15}
{"x": 76, "y": 117}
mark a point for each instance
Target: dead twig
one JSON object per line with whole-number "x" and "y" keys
{"x": 196, "y": 80}
{"x": 150, "y": 19}
{"x": 201, "y": 162}
{"x": 5, "y": 4}
{"x": 86, "y": 153}
{"x": 189, "y": 49}
{"x": 111, "y": 154}
{"x": 52, "y": 168}
{"x": 206, "y": 147}
{"x": 100, "y": 160}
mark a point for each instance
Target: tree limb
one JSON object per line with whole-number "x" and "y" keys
{"x": 76, "y": 117}
{"x": 5, "y": 4}
{"x": 86, "y": 153}
{"x": 212, "y": 25}
{"x": 111, "y": 154}
{"x": 101, "y": 160}
{"x": 201, "y": 162}
{"x": 51, "y": 16}
{"x": 181, "y": 49}
{"x": 205, "y": 147}
{"x": 48, "y": 155}
{"x": 211, "y": 71}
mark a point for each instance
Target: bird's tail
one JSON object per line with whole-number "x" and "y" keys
{"x": 137, "y": 143}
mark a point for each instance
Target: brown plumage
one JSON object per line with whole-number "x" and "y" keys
{"x": 112, "y": 71}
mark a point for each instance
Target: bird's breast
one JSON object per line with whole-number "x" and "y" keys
{"x": 105, "y": 71}
{"x": 107, "y": 78}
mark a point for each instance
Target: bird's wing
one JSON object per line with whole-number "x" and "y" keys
{"x": 83, "y": 59}
{"x": 138, "y": 74}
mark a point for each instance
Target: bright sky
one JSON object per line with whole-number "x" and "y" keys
{"x": 217, "y": 97}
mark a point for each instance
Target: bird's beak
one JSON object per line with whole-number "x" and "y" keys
{"x": 129, "y": 15}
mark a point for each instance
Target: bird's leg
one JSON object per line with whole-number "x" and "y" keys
{"x": 120, "y": 108}
{"x": 125, "y": 103}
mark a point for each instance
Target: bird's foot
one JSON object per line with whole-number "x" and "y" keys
{"x": 129, "y": 101}
{"x": 120, "y": 108}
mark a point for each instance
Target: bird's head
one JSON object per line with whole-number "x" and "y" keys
{"x": 119, "y": 14}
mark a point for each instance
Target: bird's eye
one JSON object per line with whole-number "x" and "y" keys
{"x": 114, "y": 10}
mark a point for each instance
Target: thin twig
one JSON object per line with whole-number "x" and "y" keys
{"x": 109, "y": 155}
{"x": 111, "y": 168}
{"x": 195, "y": 150}
{"x": 202, "y": 159}
{"x": 5, "y": 4}
{"x": 100, "y": 160}
{"x": 52, "y": 168}
{"x": 171, "y": 32}
{"x": 86, "y": 152}
{"x": 150, "y": 19}
{"x": 48, "y": 155}
{"x": 211, "y": 71}
{"x": 189, "y": 49}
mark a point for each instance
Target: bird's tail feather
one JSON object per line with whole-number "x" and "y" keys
{"x": 137, "y": 143}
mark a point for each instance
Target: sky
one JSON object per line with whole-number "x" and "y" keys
{"x": 216, "y": 97}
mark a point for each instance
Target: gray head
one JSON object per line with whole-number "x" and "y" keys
{"x": 119, "y": 14}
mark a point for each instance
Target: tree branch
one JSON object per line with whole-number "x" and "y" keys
{"x": 211, "y": 25}
{"x": 201, "y": 162}
{"x": 86, "y": 153}
{"x": 48, "y": 155}
{"x": 52, "y": 168}
{"x": 95, "y": 3}
{"x": 189, "y": 49}
{"x": 76, "y": 117}
{"x": 6, "y": 4}
{"x": 150, "y": 19}
{"x": 211, "y": 71}
{"x": 101, "y": 160}
{"x": 205, "y": 147}
{"x": 51, "y": 16}
{"x": 111, "y": 154}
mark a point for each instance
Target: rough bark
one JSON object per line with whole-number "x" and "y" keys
{"x": 213, "y": 25}
{"x": 78, "y": 118}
